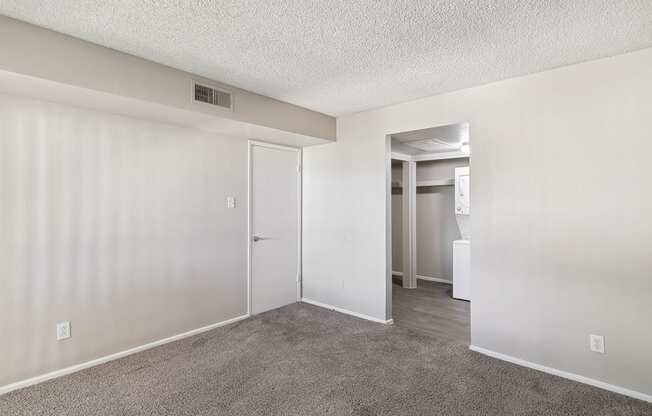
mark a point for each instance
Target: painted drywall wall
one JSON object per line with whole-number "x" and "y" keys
{"x": 556, "y": 255}
{"x": 436, "y": 231}
{"x": 116, "y": 224}
{"x": 44, "y": 54}
{"x": 439, "y": 169}
{"x": 436, "y": 224}
{"x": 341, "y": 218}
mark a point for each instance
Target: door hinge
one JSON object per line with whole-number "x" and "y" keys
{"x": 299, "y": 168}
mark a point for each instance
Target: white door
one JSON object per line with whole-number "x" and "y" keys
{"x": 274, "y": 232}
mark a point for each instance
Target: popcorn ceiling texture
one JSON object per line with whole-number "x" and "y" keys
{"x": 340, "y": 57}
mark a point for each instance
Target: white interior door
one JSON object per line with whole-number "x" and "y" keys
{"x": 274, "y": 232}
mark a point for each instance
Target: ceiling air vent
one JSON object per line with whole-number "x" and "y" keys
{"x": 209, "y": 95}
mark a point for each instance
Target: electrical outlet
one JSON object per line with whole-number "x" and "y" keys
{"x": 63, "y": 330}
{"x": 597, "y": 343}
{"x": 230, "y": 202}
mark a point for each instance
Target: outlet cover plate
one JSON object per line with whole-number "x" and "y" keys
{"x": 63, "y": 330}
{"x": 597, "y": 343}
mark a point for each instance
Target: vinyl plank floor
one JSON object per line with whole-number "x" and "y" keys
{"x": 430, "y": 309}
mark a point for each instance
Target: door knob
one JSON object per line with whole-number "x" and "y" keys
{"x": 258, "y": 238}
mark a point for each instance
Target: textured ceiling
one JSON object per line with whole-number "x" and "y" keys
{"x": 339, "y": 57}
{"x": 452, "y": 134}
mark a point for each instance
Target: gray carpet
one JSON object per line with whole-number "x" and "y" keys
{"x": 304, "y": 360}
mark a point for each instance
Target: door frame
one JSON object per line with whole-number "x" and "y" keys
{"x": 250, "y": 209}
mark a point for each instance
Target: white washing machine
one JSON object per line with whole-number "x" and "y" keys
{"x": 462, "y": 269}
{"x": 462, "y": 248}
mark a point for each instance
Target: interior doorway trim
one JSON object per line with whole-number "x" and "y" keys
{"x": 250, "y": 145}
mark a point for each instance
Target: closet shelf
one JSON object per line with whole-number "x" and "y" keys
{"x": 438, "y": 182}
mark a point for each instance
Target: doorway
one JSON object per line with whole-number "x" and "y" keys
{"x": 428, "y": 234}
{"x": 274, "y": 231}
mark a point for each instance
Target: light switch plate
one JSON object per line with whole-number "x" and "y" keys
{"x": 230, "y": 202}
{"x": 63, "y": 330}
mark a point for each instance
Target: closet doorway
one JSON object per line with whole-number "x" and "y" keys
{"x": 428, "y": 221}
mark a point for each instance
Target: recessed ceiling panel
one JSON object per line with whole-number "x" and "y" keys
{"x": 448, "y": 138}
{"x": 430, "y": 145}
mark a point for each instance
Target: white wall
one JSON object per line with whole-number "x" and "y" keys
{"x": 435, "y": 219}
{"x": 343, "y": 244}
{"x": 116, "y": 224}
{"x": 556, "y": 253}
{"x": 432, "y": 170}
{"x": 436, "y": 231}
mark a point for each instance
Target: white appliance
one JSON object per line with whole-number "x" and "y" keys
{"x": 462, "y": 248}
{"x": 461, "y": 269}
{"x": 463, "y": 201}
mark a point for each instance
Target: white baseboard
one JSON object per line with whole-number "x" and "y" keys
{"x": 428, "y": 278}
{"x": 435, "y": 279}
{"x": 348, "y": 312}
{"x": 78, "y": 367}
{"x": 564, "y": 374}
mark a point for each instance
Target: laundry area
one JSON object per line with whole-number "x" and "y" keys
{"x": 431, "y": 239}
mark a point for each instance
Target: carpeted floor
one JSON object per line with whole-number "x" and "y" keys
{"x": 304, "y": 360}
